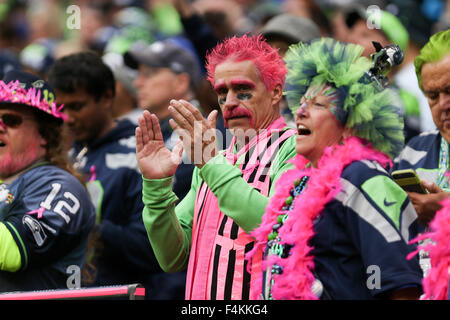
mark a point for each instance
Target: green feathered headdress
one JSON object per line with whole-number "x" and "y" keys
{"x": 372, "y": 113}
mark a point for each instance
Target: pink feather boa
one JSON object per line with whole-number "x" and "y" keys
{"x": 324, "y": 183}
{"x": 435, "y": 284}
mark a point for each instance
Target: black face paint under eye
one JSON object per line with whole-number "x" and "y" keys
{"x": 239, "y": 96}
{"x": 244, "y": 96}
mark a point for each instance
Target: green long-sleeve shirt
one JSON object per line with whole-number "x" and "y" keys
{"x": 169, "y": 226}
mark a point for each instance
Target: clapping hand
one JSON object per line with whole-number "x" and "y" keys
{"x": 197, "y": 133}
{"x": 155, "y": 160}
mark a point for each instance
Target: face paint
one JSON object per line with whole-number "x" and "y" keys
{"x": 239, "y": 96}
{"x": 244, "y": 96}
{"x": 312, "y": 97}
{"x": 332, "y": 95}
{"x": 240, "y": 86}
{"x": 15, "y": 160}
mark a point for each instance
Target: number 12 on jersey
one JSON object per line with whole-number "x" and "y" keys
{"x": 61, "y": 204}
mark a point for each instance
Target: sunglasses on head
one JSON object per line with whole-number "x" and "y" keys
{"x": 11, "y": 120}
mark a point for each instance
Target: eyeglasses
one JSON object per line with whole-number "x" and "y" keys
{"x": 11, "y": 120}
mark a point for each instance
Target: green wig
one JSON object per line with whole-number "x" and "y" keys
{"x": 372, "y": 113}
{"x": 437, "y": 47}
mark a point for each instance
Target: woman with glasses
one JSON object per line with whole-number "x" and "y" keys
{"x": 338, "y": 226}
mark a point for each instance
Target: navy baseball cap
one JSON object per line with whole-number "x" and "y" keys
{"x": 38, "y": 56}
{"x": 164, "y": 54}
{"x": 20, "y": 87}
{"x": 8, "y": 61}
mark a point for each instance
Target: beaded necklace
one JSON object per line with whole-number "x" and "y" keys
{"x": 274, "y": 245}
{"x": 443, "y": 165}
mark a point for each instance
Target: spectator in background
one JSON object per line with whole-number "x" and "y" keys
{"x": 94, "y": 17}
{"x": 45, "y": 20}
{"x": 210, "y": 222}
{"x": 196, "y": 28}
{"x": 38, "y": 57}
{"x": 166, "y": 71}
{"x": 133, "y": 25}
{"x": 282, "y": 31}
{"x": 225, "y": 18}
{"x": 203, "y": 37}
{"x": 419, "y": 27}
{"x": 285, "y": 29}
{"x": 129, "y": 25}
{"x": 262, "y": 11}
{"x": 309, "y": 9}
{"x": 385, "y": 28}
{"x": 104, "y": 151}
{"x": 381, "y": 26}
{"x": 13, "y": 25}
{"x": 46, "y": 213}
{"x": 125, "y": 101}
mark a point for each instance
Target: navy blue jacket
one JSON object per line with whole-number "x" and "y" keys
{"x": 361, "y": 237}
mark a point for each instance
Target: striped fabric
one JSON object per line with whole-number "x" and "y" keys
{"x": 422, "y": 155}
{"x": 217, "y": 268}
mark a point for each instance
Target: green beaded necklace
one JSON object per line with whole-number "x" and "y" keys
{"x": 273, "y": 245}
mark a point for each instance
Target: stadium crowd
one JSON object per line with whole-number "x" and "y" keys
{"x": 232, "y": 149}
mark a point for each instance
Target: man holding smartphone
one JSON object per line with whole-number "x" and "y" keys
{"x": 428, "y": 153}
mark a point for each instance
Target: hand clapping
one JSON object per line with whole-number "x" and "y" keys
{"x": 197, "y": 133}
{"x": 155, "y": 160}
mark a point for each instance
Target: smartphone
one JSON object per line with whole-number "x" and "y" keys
{"x": 409, "y": 181}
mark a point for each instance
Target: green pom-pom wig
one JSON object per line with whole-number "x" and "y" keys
{"x": 372, "y": 113}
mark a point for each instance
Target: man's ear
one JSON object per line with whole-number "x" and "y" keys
{"x": 42, "y": 142}
{"x": 277, "y": 94}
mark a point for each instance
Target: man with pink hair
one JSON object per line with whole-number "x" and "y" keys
{"x": 208, "y": 231}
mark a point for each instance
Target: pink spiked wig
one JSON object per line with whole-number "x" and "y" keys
{"x": 18, "y": 87}
{"x": 268, "y": 62}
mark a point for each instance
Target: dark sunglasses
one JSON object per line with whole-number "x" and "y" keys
{"x": 11, "y": 120}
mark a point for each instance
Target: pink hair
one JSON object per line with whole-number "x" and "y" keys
{"x": 268, "y": 62}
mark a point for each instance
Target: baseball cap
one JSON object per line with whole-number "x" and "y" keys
{"x": 122, "y": 73}
{"x": 134, "y": 16}
{"x": 291, "y": 27}
{"x": 37, "y": 56}
{"x": 20, "y": 87}
{"x": 163, "y": 54}
{"x": 8, "y": 61}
